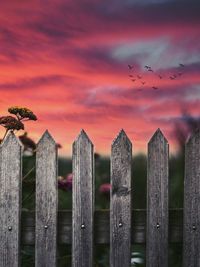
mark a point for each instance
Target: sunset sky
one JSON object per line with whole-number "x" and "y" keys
{"x": 68, "y": 62}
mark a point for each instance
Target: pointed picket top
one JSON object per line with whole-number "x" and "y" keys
{"x": 157, "y": 137}
{"x": 11, "y": 138}
{"x": 191, "y": 242}
{"x": 194, "y": 137}
{"x": 121, "y": 138}
{"x": 46, "y": 139}
{"x": 83, "y": 136}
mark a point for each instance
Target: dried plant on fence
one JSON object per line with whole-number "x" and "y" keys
{"x": 11, "y": 123}
{"x": 22, "y": 113}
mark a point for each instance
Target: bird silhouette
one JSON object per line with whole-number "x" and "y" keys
{"x": 150, "y": 69}
{"x": 173, "y": 76}
{"x": 130, "y": 67}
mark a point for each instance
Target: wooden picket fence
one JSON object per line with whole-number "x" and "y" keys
{"x": 83, "y": 227}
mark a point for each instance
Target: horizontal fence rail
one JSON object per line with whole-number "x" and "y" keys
{"x": 102, "y": 228}
{"x": 83, "y": 227}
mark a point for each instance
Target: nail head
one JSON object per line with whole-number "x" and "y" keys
{"x": 194, "y": 227}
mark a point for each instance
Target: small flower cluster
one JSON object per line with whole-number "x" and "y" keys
{"x": 65, "y": 183}
{"x": 15, "y": 123}
{"x": 22, "y": 113}
{"x": 11, "y": 123}
{"x": 104, "y": 189}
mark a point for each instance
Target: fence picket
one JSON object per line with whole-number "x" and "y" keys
{"x": 76, "y": 227}
{"x": 157, "y": 201}
{"x": 120, "y": 202}
{"x": 46, "y": 202}
{"x": 83, "y": 202}
{"x": 191, "y": 234}
{"x": 10, "y": 201}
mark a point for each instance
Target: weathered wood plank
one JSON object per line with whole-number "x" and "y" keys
{"x": 46, "y": 202}
{"x": 120, "y": 202}
{"x": 157, "y": 201}
{"x": 10, "y": 201}
{"x": 83, "y": 202}
{"x": 191, "y": 235}
{"x": 102, "y": 227}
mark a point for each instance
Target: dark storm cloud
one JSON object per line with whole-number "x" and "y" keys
{"x": 78, "y": 19}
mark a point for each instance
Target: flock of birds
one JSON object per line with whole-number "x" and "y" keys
{"x": 136, "y": 77}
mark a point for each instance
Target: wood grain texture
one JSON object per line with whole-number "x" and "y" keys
{"x": 46, "y": 202}
{"x": 120, "y": 202}
{"x": 157, "y": 201}
{"x": 191, "y": 235}
{"x": 83, "y": 202}
{"x": 10, "y": 201}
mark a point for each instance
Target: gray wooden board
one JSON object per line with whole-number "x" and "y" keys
{"x": 191, "y": 234}
{"x": 83, "y": 202}
{"x": 157, "y": 201}
{"x": 10, "y": 201}
{"x": 120, "y": 202}
{"x": 46, "y": 202}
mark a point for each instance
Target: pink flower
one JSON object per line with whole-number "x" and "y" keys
{"x": 62, "y": 183}
{"x": 105, "y": 189}
{"x": 65, "y": 183}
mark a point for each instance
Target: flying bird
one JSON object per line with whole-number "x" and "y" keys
{"x": 154, "y": 88}
{"x": 130, "y": 67}
{"x": 160, "y": 76}
{"x": 150, "y": 69}
{"x": 181, "y": 65}
{"x": 147, "y": 67}
{"x": 130, "y": 75}
{"x": 133, "y": 80}
{"x": 143, "y": 83}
